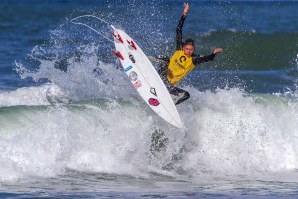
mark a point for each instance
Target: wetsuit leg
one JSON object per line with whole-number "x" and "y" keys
{"x": 180, "y": 94}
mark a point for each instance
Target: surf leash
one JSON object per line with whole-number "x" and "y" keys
{"x": 83, "y": 24}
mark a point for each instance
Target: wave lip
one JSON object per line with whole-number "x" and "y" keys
{"x": 31, "y": 96}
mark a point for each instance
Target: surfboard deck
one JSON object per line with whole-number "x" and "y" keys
{"x": 144, "y": 77}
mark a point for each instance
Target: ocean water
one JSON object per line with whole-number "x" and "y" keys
{"x": 72, "y": 126}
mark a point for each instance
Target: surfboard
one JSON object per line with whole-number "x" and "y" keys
{"x": 144, "y": 77}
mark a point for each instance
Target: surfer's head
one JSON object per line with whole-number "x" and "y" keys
{"x": 189, "y": 47}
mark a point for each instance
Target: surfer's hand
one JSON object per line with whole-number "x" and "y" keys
{"x": 217, "y": 50}
{"x": 186, "y": 8}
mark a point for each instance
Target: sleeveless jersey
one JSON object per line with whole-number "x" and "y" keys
{"x": 179, "y": 66}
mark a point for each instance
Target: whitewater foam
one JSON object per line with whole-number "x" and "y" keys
{"x": 243, "y": 135}
{"x": 30, "y": 95}
{"x": 226, "y": 132}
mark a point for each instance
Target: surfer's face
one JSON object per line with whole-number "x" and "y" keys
{"x": 188, "y": 50}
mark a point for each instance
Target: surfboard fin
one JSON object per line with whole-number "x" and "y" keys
{"x": 132, "y": 44}
{"x": 118, "y": 37}
{"x": 118, "y": 54}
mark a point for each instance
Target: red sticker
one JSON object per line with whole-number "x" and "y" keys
{"x": 153, "y": 102}
{"x": 137, "y": 84}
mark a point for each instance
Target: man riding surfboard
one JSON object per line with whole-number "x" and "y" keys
{"x": 183, "y": 61}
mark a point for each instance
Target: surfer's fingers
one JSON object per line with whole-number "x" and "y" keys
{"x": 186, "y": 8}
{"x": 217, "y": 50}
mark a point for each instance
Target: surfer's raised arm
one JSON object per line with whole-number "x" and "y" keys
{"x": 179, "y": 43}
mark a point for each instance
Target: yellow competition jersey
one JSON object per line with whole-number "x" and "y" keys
{"x": 180, "y": 65}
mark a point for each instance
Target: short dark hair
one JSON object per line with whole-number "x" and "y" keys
{"x": 189, "y": 42}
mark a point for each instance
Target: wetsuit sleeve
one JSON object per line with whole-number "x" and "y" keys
{"x": 159, "y": 59}
{"x": 163, "y": 58}
{"x": 200, "y": 59}
{"x": 179, "y": 43}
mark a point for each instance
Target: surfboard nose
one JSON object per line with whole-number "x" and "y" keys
{"x": 113, "y": 27}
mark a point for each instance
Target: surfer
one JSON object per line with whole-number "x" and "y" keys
{"x": 174, "y": 69}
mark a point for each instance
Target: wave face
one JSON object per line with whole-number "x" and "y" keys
{"x": 225, "y": 132}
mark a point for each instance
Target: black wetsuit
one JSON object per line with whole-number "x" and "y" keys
{"x": 197, "y": 59}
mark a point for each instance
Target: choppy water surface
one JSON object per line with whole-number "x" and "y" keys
{"x": 72, "y": 126}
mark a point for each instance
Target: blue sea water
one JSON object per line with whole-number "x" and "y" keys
{"x": 72, "y": 126}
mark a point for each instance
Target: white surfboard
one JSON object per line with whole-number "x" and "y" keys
{"x": 145, "y": 78}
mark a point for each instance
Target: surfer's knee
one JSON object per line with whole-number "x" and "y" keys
{"x": 186, "y": 96}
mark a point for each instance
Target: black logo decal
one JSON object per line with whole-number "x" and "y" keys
{"x": 182, "y": 59}
{"x": 153, "y": 91}
{"x": 132, "y": 59}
